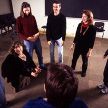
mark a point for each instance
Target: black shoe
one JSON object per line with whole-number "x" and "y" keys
{"x": 83, "y": 74}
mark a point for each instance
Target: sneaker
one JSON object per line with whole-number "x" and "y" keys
{"x": 104, "y": 90}
{"x": 101, "y": 86}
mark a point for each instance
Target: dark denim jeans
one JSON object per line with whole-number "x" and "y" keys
{"x": 30, "y": 46}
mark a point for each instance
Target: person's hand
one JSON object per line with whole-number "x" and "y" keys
{"x": 49, "y": 42}
{"x": 36, "y": 36}
{"x": 89, "y": 53}
{"x": 31, "y": 38}
{"x": 34, "y": 74}
{"x": 62, "y": 43}
{"x": 72, "y": 46}
{"x": 37, "y": 70}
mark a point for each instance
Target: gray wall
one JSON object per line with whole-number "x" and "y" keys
{"x": 4, "y": 7}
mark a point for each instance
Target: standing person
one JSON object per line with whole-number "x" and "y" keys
{"x": 61, "y": 89}
{"x": 29, "y": 33}
{"x": 104, "y": 87}
{"x": 56, "y": 31}
{"x": 18, "y": 66}
{"x": 84, "y": 41}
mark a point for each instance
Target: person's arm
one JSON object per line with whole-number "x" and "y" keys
{"x": 106, "y": 53}
{"x": 63, "y": 29}
{"x": 34, "y": 69}
{"x": 92, "y": 40}
{"x": 76, "y": 37}
{"x": 19, "y": 28}
{"x": 10, "y": 67}
{"x": 48, "y": 34}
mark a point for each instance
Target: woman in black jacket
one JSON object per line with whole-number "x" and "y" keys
{"x": 17, "y": 65}
{"x": 84, "y": 40}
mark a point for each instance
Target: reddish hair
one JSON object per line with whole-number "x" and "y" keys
{"x": 89, "y": 15}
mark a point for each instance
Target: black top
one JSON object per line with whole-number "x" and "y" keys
{"x": 56, "y": 27}
{"x": 85, "y": 39}
{"x": 13, "y": 66}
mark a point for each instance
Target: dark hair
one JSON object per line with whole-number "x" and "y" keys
{"x": 89, "y": 15}
{"x": 14, "y": 44}
{"x": 25, "y": 5}
{"x": 61, "y": 85}
{"x": 57, "y": 2}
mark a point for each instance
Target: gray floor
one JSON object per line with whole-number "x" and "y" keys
{"x": 87, "y": 86}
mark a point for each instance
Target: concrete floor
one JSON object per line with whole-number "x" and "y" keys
{"x": 87, "y": 85}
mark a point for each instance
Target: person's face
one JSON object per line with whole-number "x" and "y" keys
{"x": 56, "y": 8}
{"x": 84, "y": 18}
{"x": 18, "y": 49}
{"x": 26, "y": 10}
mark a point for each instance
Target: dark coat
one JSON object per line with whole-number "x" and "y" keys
{"x": 12, "y": 67}
{"x": 86, "y": 41}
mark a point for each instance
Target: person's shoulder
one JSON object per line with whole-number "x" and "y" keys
{"x": 37, "y": 103}
{"x": 19, "y": 17}
{"x": 79, "y": 24}
{"x": 92, "y": 27}
{"x": 78, "y": 103}
{"x": 32, "y": 16}
{"x": 10, "y": 55}
{"x": 51, "y": 14}
{"x": 62, "y": 14}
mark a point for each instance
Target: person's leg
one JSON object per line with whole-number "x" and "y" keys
{"x": 104, "y": 90}
{"x": 52, "y": 46}
{"x": 76, "y": 55}
{"x": 105, "y": 74}
{"x": 104, "y": 85}
{"x": 29, "y": 47}
{"x": 2, "y": 94}
{"x": 60, "y": 50}
{"x": 38, "y": 49}
{"x": 85, "y": 64}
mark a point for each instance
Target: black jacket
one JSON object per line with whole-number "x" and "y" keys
{"x": 85, "y": 41}
{"x": 12, "y": 67}
{"x": 56, "y": 27}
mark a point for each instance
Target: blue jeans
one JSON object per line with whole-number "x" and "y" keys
{"x": 2, "y": 94}
{"x": 60, "y": 50}
{"x": 30, "y": 46}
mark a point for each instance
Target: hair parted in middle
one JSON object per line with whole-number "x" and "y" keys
{"x": 25, "y": 5}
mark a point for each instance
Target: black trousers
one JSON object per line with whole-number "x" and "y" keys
{"x": 105, "y": 74}
{"x": 76, "y": 54}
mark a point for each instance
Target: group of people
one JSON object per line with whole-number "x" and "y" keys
{"x": 60, "y": 85}
{"x": 55, "y": 33}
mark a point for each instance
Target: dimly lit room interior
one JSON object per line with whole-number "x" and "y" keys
{"x": 87, "y": 87}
